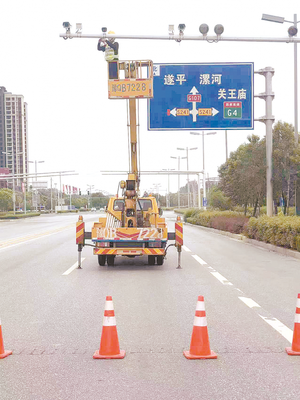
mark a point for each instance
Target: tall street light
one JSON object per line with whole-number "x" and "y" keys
{"x": 13, "y": 177}
{"x": 187, "y": 164}
{"x": 168, "y": 194}
{"x": 35, "y": 169}
{"x": 178, "y": 158}
{"x": 89, "y": 192}
{"x": 292, "y": 31}
{"x": 204, "y": 183}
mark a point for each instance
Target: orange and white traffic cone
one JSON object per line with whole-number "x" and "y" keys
{"x": 3, "y": 353}
{"x": 199, "y": 348}
{"x": 109, "y": 344}
{"x": 295, "y": 349}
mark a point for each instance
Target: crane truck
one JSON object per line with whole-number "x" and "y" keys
{"x": 133, "y": 225}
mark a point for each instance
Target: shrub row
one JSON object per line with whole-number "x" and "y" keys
{"x": 68, "y": 211}
{"x": 277, "y": 230}
{"x": 280, "y": 230}
{"x": 18, "y": 216}
{"x": 231, "y": 221}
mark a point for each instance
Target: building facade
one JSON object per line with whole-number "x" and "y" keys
{"x": 13, "y": 135}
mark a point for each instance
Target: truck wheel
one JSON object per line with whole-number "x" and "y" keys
{"x": 151, "y": 260}
{"x": 160, "y": 260}
{"x": 101, "y": 260}
{"x": 110, "y": 261}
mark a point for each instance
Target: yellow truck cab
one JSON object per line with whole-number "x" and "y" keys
{"x": 132, "y": 227}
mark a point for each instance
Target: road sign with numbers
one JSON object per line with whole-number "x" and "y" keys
{"x": 201, "y": 96}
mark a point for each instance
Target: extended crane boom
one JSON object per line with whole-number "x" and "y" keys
{"x": 133, "y": 225}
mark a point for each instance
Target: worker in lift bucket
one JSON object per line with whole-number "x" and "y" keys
{"x": 110, "y": 47}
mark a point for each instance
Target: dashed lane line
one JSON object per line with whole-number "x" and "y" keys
{"x": 221, "y": 278}
{"x": 68, "y": 271}
{"x": 186, "y": 249}
{"x": 264, "y": 314}
{"x": 200, "y": 261}
{"x": 279, "y": 327}
{"x": 249, "y": 302}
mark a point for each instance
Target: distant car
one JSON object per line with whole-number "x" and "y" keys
{"x": 93, "y": 209}
{"x": 101, "y": 209}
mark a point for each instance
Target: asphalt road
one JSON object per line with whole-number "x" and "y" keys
{"x": 53, "y": 322}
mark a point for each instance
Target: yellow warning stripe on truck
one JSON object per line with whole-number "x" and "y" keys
{"x": 129, "y": 251}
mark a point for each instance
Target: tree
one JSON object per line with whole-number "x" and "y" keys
{"x": 6, "y": 202}
{"x": 217, "y": 199}
{"x": 98, "y": 200}
{"x": 286, "y": 157}
{"x": 243, "y": 176}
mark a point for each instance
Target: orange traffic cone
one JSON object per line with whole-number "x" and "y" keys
{"x": 3, "y": 353}
{"x": 295, "y": 349}
{"x": 199, "y": 347}
{"x": 109, "y": 344}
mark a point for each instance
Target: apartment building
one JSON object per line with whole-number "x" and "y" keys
{"x": 13, "y": 135}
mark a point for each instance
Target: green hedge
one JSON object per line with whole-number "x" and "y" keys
{"x": 67, "y": 211}
{"x": 280, "y": 230}
{"x": 216, "y": 219}
{"x": 18, "y": 216}
{"x": 180, "y": 210}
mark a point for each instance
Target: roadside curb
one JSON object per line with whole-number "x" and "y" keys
{"x": 253, "y": 242}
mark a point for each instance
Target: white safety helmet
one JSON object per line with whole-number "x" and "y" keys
{"x": 111, "y": 33}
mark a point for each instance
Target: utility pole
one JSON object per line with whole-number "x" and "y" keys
{"x": 268, "y": 120}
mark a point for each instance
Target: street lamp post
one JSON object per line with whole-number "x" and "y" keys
{"x": 292, "y": 31}
{"x": 168, "y": 194}
{"x": 155, "y": 189}
{"x": 35, "y": 170}
{"x": 90, "y": 187}
{"x": 204, "y": 182}
{"x": 187, "y": 164}
{"x": 178, "y": 158}
{"x": 226, "y": 146}
{"x": 13, "y": 178}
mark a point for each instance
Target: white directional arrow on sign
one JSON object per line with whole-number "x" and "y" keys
{"x": 214, "y": 111}
{"x": 174, "y": 112}
{"x": 194, "y": 90}
{"x": 202, "y": 112}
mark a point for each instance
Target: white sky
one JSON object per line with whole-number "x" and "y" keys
{"x": 72, "y": 123}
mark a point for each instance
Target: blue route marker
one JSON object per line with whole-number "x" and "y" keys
{"x": 202, "y": 96}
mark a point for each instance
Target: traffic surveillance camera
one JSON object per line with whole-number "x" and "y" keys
{"x": 181, "y": 27}
{"x": 219, "y": 29}
{"x": 203, "y": 28}
{"x": 292, "y": 31}
{"x": 104, "y": 29}
{"x": 67, "y": 25}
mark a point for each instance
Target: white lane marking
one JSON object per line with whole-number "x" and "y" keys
{"x": 221, "y": 278}
{"x": 279, "y": 327}
{"x": 72, "y": 268}
{"x": 273, "y": 322}
{"x": 249, "y": 302}
{"x": 186, "y": 249}
{"x": 238, "y": 290}
{"x": 197, "y": 258}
